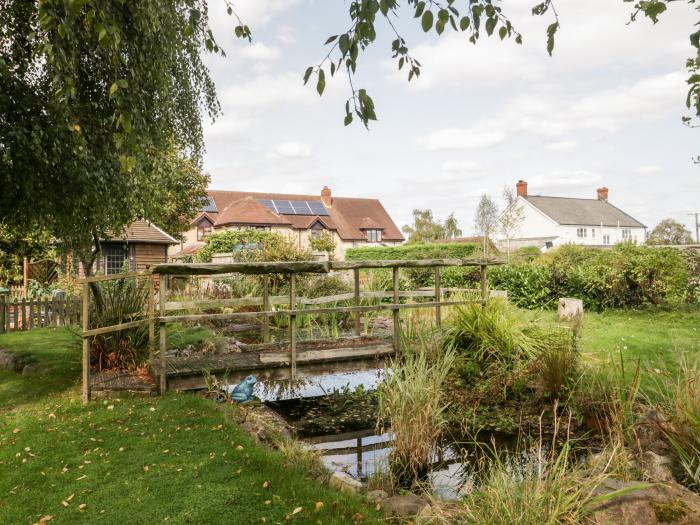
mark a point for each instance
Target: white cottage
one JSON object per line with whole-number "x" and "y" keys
{"x": 551, "y": 221}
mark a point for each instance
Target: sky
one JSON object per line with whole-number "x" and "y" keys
{"x": 604, "y": 110}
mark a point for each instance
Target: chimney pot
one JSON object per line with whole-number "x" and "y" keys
{"x": 521, "y": 188}
{"x": 602, "y": 193}
{"x": 326, "y": 197}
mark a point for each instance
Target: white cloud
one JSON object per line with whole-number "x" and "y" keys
{"x": 461, "y": 166}
{"x": 569, "y": 183}
{"x": 259, "y": 52}
{"x": 462, "y": 138}
{"x": 291, "y": 150}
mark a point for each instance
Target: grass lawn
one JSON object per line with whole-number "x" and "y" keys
{"x": 178, "y": 459}
{"x": 657, "y": 338}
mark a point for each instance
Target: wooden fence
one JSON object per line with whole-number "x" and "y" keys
{"x": 18, "y": 315}
{"x": 168, "y": 311}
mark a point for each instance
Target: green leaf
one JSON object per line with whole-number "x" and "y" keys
{"x": 113, "y": 89}
{"x": 331, "y": 39}
{"x": 464, "y": 23}
{"x": 307, "y": 74}
{"x": 420, "y": 7}
{"x": 344, "y": 43}
{"x": 490, "y": 25}
{"x": 348, "y": 119}
{"x": 427, "y": 21}
{"x": 440, "y": 26}
{"x": 321, "y": 84}
{"x": 502, "y": 32}
{"x": 551, "y": 31}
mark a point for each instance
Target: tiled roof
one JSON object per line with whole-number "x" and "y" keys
{"x": 247, "y": 210}
{"x": 345, "y": 214}
{"x": 586, "y": 212}
{"x": 143, "y": 231}
{"x": 367, "y": 223}
{"x": 189, "y": 250}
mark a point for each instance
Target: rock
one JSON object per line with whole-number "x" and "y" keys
{"x": 669, "y": 503}
{"x": 377, "y": 496}
{"x": 344, "y": 482}
{"x": 8, "y": 361}
{"x": 650, "y": 432}
{"x": 656, "y": 467}
{"x": 569, "y": 308}
{"x": 30, "y": 369}
{"x": 403, "y": 506}
{"x": 256, "y": 430}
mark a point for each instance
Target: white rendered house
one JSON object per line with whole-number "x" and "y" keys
{"x": 552, "y": 221}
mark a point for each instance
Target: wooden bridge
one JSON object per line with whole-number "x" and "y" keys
{"x": 294, "y": 358}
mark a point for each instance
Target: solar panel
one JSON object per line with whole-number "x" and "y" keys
{"x": 268, "y": 204}
{"x": 286, "y": 207}
{"x": 317, "y": 208}
{"x": 301, "y": 208}
{"x": 210, "y": 206}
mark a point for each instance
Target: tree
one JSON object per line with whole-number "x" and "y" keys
{"x": 669, "y": 231}
{"x": 473, "y": 17}
{"x": 512, "y": 217}
{"x": 486, "y": 219}
{"x": 101, "y": 107}
{"x": 426, "y": 228}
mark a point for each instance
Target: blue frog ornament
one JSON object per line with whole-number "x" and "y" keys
{"x": 244, "y": 390}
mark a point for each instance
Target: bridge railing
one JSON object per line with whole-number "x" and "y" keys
{"x": 168, "y": 311}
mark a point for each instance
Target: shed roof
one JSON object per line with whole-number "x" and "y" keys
{"x": 143, "y": 231}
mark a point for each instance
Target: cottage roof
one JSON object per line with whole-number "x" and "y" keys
{"x": 585, "y": 212}
{"x": 143, "y": 231}
{"x": 345, "y": 214}
{"x": 247, "y": 210}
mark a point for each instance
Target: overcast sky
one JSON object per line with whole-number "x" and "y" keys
{"x": 604, "y": 110}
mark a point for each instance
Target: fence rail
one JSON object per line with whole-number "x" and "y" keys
{"x": 18, "y": 315}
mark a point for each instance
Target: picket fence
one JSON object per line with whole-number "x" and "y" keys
{"x": 25, "y": 314}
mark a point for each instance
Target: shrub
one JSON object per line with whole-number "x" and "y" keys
{"x": 323, "y": 243}
{"x": 558, "y": 362}
{"x": 625, "y": 276}
{"x": 450, "y": 250}
{"x": 325, "y": 285}
{"x": 124, "y": 301}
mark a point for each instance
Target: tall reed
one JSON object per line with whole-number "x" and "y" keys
{"x": 412, "y": 405}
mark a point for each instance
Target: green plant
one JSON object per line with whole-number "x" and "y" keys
{"x": 494, "y": 333}
{"x": 411, "y": 404}
{"x": 323, "y": 242}
{"x": 558, "y": 362}
{"x": 679, "y": 399}
{"x": 124, "y": 301}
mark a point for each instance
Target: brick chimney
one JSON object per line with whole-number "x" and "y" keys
{"x": 521, "y": 188}
{"x": 602, "y": 193}
{"x": 326, "y": 197}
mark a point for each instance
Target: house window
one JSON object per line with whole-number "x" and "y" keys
{"x": 203, "y": 228}
{"x": 115, "y": 257}
{"x": 606, "y": 239}
{"x": 626, "y": 235}
{"x": 581, "y": 233}
{"x": 374, "y": 235}
{"x": 592, "y": 233}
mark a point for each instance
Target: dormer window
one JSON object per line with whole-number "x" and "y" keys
{"x": 203, "y": 228}
{"x": 374, "y": 235}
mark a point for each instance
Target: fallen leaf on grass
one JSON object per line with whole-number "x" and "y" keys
{"x": 16, "y": 430}
{"x": 319, "y": 506}
{"x": 44, "y": 519}
{"x": 82, "y": 506}
{"x": 266, "y": 484}
{"x": 296, "y": 511}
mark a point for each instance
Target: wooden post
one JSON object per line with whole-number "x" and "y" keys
{"x": 31, "y": 313}
{"x": 25, "y": 276}
{"x": 2, "y": 313}
{"x": 484, "y": 286}
{"x": 86, "y": 343}
{"x": 266, "y": 308}
{"x": 356, "y": 275}
{"x": 396, "y": 312}
{"x": 151, "y": 320}
{"x": 293, "y": 325}
{"x": 162, "y": 335}
{"x": 438, "y": 293}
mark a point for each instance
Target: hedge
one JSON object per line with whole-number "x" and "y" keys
{"x": 451, "y": 250}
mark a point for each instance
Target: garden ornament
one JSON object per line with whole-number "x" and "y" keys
{"x": 244, "y": 390}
